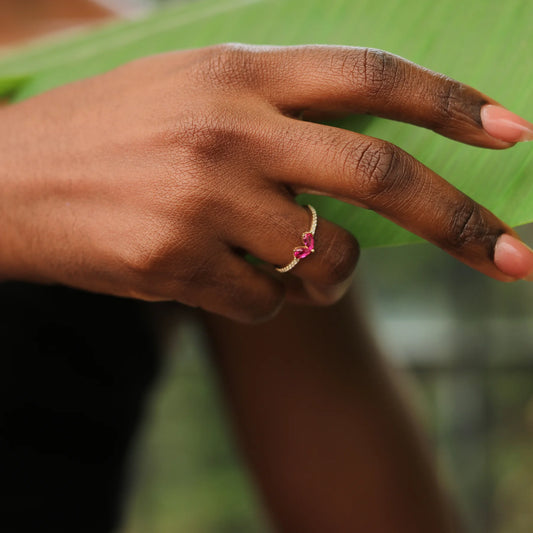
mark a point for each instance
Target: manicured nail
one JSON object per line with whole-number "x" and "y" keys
{"x": 513, "y": 257}
{"x": 504, "y": 125}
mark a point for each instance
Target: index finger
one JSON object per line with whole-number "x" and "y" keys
{"x": 365, "y": 80}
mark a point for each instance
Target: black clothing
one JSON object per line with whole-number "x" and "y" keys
{"x": 75, "y": 368}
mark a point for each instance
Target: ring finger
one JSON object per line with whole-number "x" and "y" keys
{"x": 275, "y": 235}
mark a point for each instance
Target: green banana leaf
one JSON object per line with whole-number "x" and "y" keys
{"x": 485, "y": 43}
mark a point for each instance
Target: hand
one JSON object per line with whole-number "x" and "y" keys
{"x": 151, "y": 181}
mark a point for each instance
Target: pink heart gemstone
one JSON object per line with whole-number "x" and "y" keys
{"x": 301, "y": 252}
{"x": 309, "y": 241}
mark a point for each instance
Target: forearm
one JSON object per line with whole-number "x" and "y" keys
{"x": 328, "y": 435}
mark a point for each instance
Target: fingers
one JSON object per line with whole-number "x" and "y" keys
{"x": 245, "y": 293}
{"x": 299, "y": 291}
{"x": 239, "y": 291}
{"x": 272, "y": 235}
{"x": 377, "y": 175}
{"x": 363, "y": 80}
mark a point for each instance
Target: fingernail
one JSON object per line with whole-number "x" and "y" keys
{"x": 513, "y": 257}
{"x": 504, "y": 125}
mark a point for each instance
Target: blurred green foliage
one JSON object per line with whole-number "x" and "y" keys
{"x": 485, "y": 43}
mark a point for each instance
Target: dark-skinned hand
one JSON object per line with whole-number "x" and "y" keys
{"x": 154, "y": 180}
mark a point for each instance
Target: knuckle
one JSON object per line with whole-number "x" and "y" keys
{"x": 190, "y": 281}
{"x": 229, "y": 65}
{"x": 450, "y": 101}
{"x": 341, "y": 257}
{"x": 267, "y": 308}
{"x": 142, "y": 268}
{"x": 467, "y": 225}
{"x": 145, "y": 260}
{"x": 378, "y": 70}
{"x": 374, "y": 169}
{"x": 165, "y": 263}
{"x": 259, "y": 306}
{"x": 206, "y": 137}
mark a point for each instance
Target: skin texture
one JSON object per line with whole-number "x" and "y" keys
{"x": 326, "y": 426}
{"x": 152, "y": 181}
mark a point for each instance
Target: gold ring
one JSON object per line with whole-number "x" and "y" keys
{"x": 308, "y": 240}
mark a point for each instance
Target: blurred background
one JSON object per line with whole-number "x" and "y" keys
{"x": 463, "y": 342}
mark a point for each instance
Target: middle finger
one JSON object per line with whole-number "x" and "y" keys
{"x": 377, "y": 175}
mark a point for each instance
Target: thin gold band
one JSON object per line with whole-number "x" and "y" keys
{"x": 312, "y": 229}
